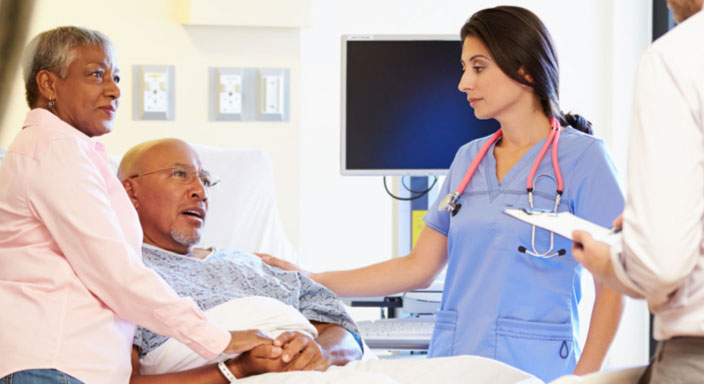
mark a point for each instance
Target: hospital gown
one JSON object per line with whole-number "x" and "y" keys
{"x": 499, "y": 302}
{"x": 226, "y": 274}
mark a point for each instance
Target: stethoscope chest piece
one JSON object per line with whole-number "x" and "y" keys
{"x": 446, "y": 201}
{"x": 449, "y": 204}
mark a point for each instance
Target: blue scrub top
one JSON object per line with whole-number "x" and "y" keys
{"x": 498, "y": 302}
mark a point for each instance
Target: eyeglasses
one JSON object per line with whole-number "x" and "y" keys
{"x": 186, "y": 175}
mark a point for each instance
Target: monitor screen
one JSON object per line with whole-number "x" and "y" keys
{"x": 402, "y": 113}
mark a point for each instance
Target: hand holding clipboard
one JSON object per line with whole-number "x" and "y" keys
{"x": 564, "y": 223}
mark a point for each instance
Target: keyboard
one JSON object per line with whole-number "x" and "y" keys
{"x": 412, "y": 333}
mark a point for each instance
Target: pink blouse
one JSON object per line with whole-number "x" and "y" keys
{"x": 72, "y": 282}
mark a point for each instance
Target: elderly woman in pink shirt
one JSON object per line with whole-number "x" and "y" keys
{"x": 72, "y": 283}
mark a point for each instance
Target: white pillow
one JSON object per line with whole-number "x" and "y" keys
{"x": 243, "y": 213}
{"x": 270, "y": 316}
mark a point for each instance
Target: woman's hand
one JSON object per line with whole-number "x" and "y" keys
{"x": 242, "y": 341}
{"x": 301, "y": 352}
{"x": 283, "y": 264}
{"x": 261, "y": 359}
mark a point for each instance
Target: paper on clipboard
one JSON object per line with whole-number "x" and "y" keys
{"x": 563, "y": 224}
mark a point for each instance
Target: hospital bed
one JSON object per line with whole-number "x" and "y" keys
{"x": 243, "y": 215}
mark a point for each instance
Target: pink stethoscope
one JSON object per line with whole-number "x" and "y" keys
{"x": 449, "y": 202}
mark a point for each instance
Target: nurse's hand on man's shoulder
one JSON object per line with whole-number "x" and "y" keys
{"x": 280, "y": 263}
{"x": 242, "y": 341}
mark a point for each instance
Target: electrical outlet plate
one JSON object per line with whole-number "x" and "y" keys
{"x": 273, "y": 94}
{"x": 227, "y": 94}
{"x": 247, "y": 94}
{"x": 153, "y": 92}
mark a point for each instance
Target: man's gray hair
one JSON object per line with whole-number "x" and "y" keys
{"x": 55, "y": 50}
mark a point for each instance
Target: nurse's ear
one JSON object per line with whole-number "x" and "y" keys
{"x": 526, "y": 76}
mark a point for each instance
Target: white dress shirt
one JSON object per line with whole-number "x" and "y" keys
{"x": 662, "y": 257}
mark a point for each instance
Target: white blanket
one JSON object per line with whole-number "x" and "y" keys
{"x": 441, "y": 370}
{"x": 274, "y": 317}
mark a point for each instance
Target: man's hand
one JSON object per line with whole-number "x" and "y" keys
{"x": 593, "y": 255}
{"x": 242, "y": 341}
{"x": 283, "y": 264}
{"x": 261, "y": 359}
{"x": 302, "y": 353}
{"x": 299, "y": 352}
{"x": 596, "y": 257}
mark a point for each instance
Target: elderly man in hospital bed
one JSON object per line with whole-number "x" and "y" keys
{"x": 168, "y": 186}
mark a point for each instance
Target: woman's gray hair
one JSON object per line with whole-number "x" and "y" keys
{"x": 55, "y": 50}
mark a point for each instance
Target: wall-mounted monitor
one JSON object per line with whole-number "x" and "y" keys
{"x": 402, "y": 113}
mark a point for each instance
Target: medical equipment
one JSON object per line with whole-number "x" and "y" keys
{"x": 410, "y": 333}
{"x": 449, "y": 203}
{"x": 388, "y": 128}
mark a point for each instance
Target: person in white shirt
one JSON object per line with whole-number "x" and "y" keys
{"x": 660, "y": 255}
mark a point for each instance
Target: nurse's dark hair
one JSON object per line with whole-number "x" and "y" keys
{"x": 523, "y": 48}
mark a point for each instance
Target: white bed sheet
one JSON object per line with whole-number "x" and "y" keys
{"x": 273, "y": 317}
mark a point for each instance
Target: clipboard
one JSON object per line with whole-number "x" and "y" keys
{"x": 563, "y": 224}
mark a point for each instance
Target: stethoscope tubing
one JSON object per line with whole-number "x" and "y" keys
{"x": 553, "y": 140}
{"x": 477, "y": 159}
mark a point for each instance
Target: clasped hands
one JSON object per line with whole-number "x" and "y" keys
{"x": 290, "y": 351}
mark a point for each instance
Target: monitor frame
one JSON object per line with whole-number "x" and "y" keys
{"x": 343, "y": 105}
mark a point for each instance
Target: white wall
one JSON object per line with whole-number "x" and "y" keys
{"x": 146, "y": 32}
{"x": 348, "y": 221}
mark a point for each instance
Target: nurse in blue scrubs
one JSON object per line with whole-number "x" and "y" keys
{"x": 511, "y": 290}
